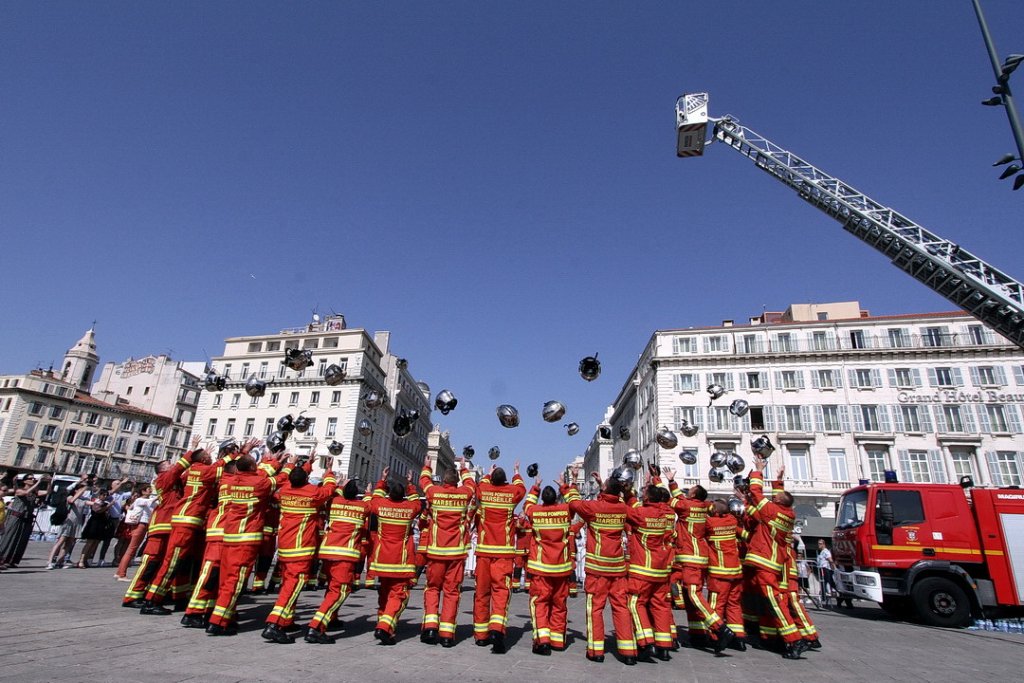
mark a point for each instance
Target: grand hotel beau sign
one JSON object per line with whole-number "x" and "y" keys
{"x": 956, "y": 396}
{"x": 137, "y": 367}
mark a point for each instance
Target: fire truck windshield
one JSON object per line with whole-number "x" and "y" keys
{"x": 852, "y": 508}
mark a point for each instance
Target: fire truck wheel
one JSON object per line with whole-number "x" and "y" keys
{"x": 940, "y": 602}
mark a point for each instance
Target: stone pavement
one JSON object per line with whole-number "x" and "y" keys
{"x": 67, "y": 625}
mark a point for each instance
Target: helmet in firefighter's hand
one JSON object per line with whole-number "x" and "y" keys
{"x": 737, "y": 506}
{"x": 508, "y": 416}
{"x": 227, "y": 446}
{"x": 445, "y": 401}
{"x": 334, "y": 374}
{"x": 718, "y": 459}
{"x": 572, "y": 428}
{"x": 590, "y": 368}
{"x": 666, "y": 438}
{"x": 553, "y": 411}
{"x": 624, "y": 475}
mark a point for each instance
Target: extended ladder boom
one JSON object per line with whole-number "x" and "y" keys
{"x": 984, "y": 291}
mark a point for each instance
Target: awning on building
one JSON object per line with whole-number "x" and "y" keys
{"x": 817, "y": 527}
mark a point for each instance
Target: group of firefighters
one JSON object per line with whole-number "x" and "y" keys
{"x": 732, "y": 568}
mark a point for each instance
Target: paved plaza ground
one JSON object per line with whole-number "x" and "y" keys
{"x": 67, "y": 625}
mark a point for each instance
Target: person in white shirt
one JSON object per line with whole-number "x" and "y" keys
{"x": 137, "y": 522}
{"x": 825, "y": 568}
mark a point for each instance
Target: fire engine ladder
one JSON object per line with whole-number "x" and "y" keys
{"x": 987, "y": 293}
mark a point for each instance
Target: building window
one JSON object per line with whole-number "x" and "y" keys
{"x": 254, "y": 401}
{"x": 293, "y": 399}
{"x": 310, "y": 343}
{"x": 723, "y": 379}
{"x": 791, "y": 380}
{"x": 904, "y": 378}
{"x": 799, "y": 463}
{"x": 36, "y": 408}
{"x": 685, "y": 381}
{"x": 715, "y": 344}
{"x": 756, "y": 418}
{"x": 922, "y": 467}
{"x": 330, "y": 342}
{"x": 794, "y": 421}
{"x": 684, "y": 345}
{"x": 825, "y": 379}
{"x": 56, "y": 412}
{"x": 321, "y": 368}
{"x": 217, "y": 399}
{"x": 250, "y": 425}
{"x": 230, "y": 428}
{"x": 837, "y": 465}
{"x": 273, "y": 346}
{"x": 898, "y": 338}
{"x": 911, "y": 418}
{"x": 268, "y": 426}
{"x": 314, "y": 398}
{"x": 754, "y": 382}
{"x": 988, "y": 376}
{"x": 689, "y": 415}
{"x": 784, "y": 342}
{"x": 312, "y": 427}
{"x": 30, "y": 429}
{"x": 1004, "y": 466}
{"x": 140, "y": 447}
{"x": 997, "y": 418}
{"x": 332, "y": 426}
{"x": 934, "y": 336}
{"x": 335, "y": 398}
{"x": 235, "y": 398}
{"x": 878, "y": 463}
{"x": 264, "y": 366}
{"x": 282, "y": 370}
{"x": 50, "y": 433}
{"x": 255, "y": 347}
{"x": 978, "y": 335}
{"x": 274, "y": 396}
{"x": 101, "y": 442}
{"x": 954, "y": 419}
{"x": 830, "y": 418}
{"x": 21, "y": 454}
{"x": 70, "y": 436}
{"x": 211, "y": 428}
{"x": 963, "y": 463}
{"x": 245, "y": 371}
{"x": 857, "y": 339}
{"x": 752, "y": 343}
{"x": 820, "y": 341}
{"x": 945, "y": 377}
{"x": 863, "y": 378}
{"x": 869, "y": 417}
{"x": 227, "y": 371}
{"x": 120, "y": 444}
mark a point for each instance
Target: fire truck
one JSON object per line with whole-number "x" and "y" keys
{"x": 938, "y": 553}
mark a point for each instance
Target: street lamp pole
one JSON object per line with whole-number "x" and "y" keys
{"x": 1002, "y": 89}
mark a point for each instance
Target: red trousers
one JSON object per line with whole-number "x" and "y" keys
{"x": 548, "y": 609}
{"x": 392, "y": 597}
{"x": 725, "y": 595}
{"x": 138, "y": 534}
{"x": 443, "y": 576}
{"x": 236, "y": 561}
{"x": 601, "y": 590}
{"x": 803, "y": 622}
{"x": 490, "y": 602}
{"x": 341, "y": 574}
{"x": 208, "y": 582}
{"x": 776, "y": 618}
{"x": 294, "y": 573}
{"x": 184, "y": 543}
{"x": 701, "y": 618}
{"x": 152, "y": 557}
{"x": 266, "y": 557}
{"x": 651, "y": 609}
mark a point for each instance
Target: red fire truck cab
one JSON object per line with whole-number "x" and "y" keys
{"x": 939, "y": 553}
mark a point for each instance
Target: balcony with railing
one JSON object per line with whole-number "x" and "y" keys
{"x": 863, "y": 342}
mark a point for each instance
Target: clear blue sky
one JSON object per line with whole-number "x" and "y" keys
{"x": 494, "y": 183}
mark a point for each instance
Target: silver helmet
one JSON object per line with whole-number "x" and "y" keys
{"x": 275, "y": 442}
{"x": 623, "y": 474}
{"x": 445, "y": 401}
{"x": 227, "y": 446}
{"x": 590, "y": 368}
{"x": 214, "y": 382}
{"x": 688, "y": 429}
{"x": 364, "y": 427}
{"x": 632, "y": 459}
{"x": 255, "y": 387}
{"x": 493, "y": 452}
{"x": 624, "y": 433}
{"x": 715, "y": 391}
{"x": 302, "y": 424}
{"x": 739, "y": 407}
{"x": 334, "y": 375}
{"x": 297, "y": 359}
{"x": 553, "y": 411}
{"x": 286, "y": 424}
{"x": 335, "y": 447}
{"x": 468, "y": 452}
{"x": 373, "y": 399}
{"x": 666, "y": 438}
{"x": 734, "y": 463}
{"x": 688, "y": 457}
{"x": 762, "y": 446}
{"x": 737, "y": 506}
{"x": 508, "y": 416}
{"x": 572, "y": 428}
{"x": 716, "y": 475}
{"x": 718, "y": 459}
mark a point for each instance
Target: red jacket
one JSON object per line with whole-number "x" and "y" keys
{"x": 771, "y": 539}
{"x": 247, "y": 495}
{"x": 691, "y": 547}
{"x": 199, "y": 492}
{"x": 496, "y": 517}
{"x": 550, "y": 552}
{"x": 650, "y": 541}
{"x": 392, "y": 553}
{"x": 297, "y": 535}
{"x": 347, "y": 530}
{"x": 606, "y": 522}
{"x": 168, "y": 493}
{"x": 723, "y": 548}
{"x": 448, "y": 534}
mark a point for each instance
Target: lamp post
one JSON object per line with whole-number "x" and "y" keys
{"x": 1004, "y": 96}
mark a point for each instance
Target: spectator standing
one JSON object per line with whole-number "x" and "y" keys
{"x": 70, "y": 526}
{"x": 21, "y": 513}
{"x": 95, "y": 528}
{"x": 136, "y": 520}
{"x": 825, "y": 568}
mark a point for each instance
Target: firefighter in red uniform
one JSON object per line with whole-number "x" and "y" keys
{"x": 445, "y": 550}
{"x": 262, "y": 579}
{"x": 605, "y": 564}
{"x": 804, "y": 625}
{"x": 725, "y": 574}
{"x": 396, "y": 507}
{"x": 248, "y": 493}
{"x": 340, "y": 552}
{"x": 692, "y": 560}
{"x": 168, "y": 492}
{"x": 205, "y": 592}
{"x": 297, "y": 541}
{"x": 495, "y": 548}
{"x": 766, "y": 557}
{"x": 550, "y": 563}
{"x": 188, "y": 523}
{"x": 651, "y": 526}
